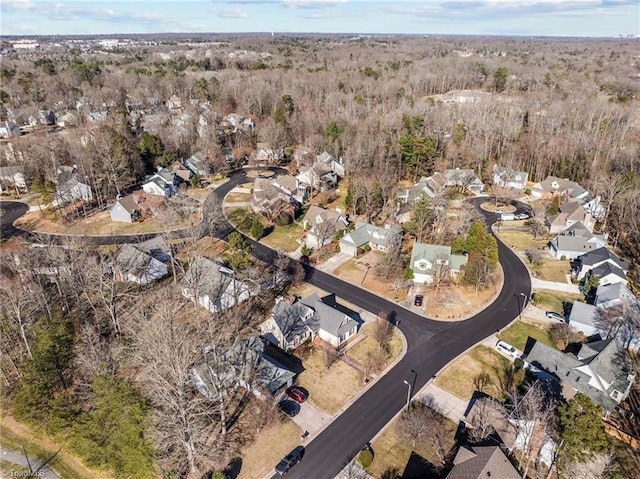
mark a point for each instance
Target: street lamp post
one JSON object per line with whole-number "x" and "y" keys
{"x": 520, "y": 308}
{"x": 408, "y": 393}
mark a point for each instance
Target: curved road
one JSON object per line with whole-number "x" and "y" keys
{"x": 430, "y": 346}
{"x": 11, "y": 211}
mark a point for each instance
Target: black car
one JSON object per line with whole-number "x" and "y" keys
{"x": 290, "y": 408}
{"x": 290, "y": 460}
{"x": 418, "y": 300}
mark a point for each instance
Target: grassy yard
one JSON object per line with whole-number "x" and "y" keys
{"x": 284, "y": 237}
{"x": 241, "y": 218}
{"x": 350, "y": 270}
{"x": 237, "y": 197}
{"x": 329, "y": 389}
{"x": 271, "y": 445}
{"x": 458, "y": 377}
{"x": 359, "y": 351}
{"x": 517, "y": 335}
{"x": 554, "y": 300}
{"x": 552, "y": 270}
{"x": 521, "y": 240}
{"x": 66, "y": 465}
{"x": 391, "y": 452}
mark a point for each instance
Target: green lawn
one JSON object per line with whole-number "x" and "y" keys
{"x": 458, "y": 377}
{"x": 521, "y": 240}
{"x": 284, "y": 237}
{"x": 553, "y": 300}
{"x": 517, "y": 335}
{"x": 552, "y": 270}
{"x": 241, "y": 218}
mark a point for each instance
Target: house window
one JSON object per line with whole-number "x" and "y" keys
{"x": 442, "y": 262}
{"x": 616, "y": 395}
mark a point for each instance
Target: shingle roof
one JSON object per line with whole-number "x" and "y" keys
{"x": 212, "y": 278}
{"x": 602, "y": 254}
{"x": 482, "y": 462}
{"x": 129, "y": 204}
{"x": 577, "y": 238}
{"x": 432, "y": 253}
{"x": 584, "y": 313}
{"x": 294, "y": 320}
{"x": 613, "y": 292}
{"x": 606, "y": 269}
{"x": 365, "y": 232}
{"x": 327, "y": 316}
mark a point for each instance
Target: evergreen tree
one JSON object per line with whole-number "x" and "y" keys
{"x": 581, "y": 428}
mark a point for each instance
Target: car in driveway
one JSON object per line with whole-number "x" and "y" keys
{"x": 297, "y": 394}
{"x": 289, "y": 407}
{"x": 554, "y": 315}
{"x": 418, "y": 300}
{"x": 290, "y": 460}
{"x": 521, "y": 216}
{"x": 507, "y": 349}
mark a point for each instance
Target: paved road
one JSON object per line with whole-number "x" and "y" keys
{"x": 430, "y": 346}
{"x": 11, "y": 211}
{"x": 36, "y": 464}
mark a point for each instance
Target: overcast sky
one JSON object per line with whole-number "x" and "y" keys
{"x": 588, "y": 18}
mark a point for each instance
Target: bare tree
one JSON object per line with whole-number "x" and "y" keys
{"x": 481, "y": 381}
{"x": 330, "y": 357}
{"x": 415, "y": 423}
{"x": 390, "y": 264}
{"x": 595, "y": 467}
{"x": 383, "y": 330}
{"x": 483, "y": 417}
{"x": 563, "y": 333}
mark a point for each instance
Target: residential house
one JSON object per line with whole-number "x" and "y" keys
{"x": 575, "y": 241}
{"x": 125, "y": 210}
{"x": 46, "y": 117}
{"x": 322, "y": 225}
{"x": 174, "y": 103}
{"x": 291, "y": 186}
{"x": 142, "y": 263}
{"x": 588, "y": 261}
{"x": 213, "y": 286}
{"x": 508, "y": 178}
{"x": 153, "y": 123}
{"x": 181, "y": 172}
{"x": 272, "y": 199}
{"x": 198, "y": 164}
{"x": 428, "y": 261}
{"x": 162, "y": 183}
{"x": 598, "y": 370}
{"x": 12, "y": 177}
{"x": 68, "y": 119}
{"x": 569, "y": 190}
{"x": 432, "y": 186}
{"x": 319, "y": 177}
{"x": 243, "y": 364}
{"x": 72, "y": 186}
{"x": 266, "y": 154}
{"x": 570, "y": 213}
{"x": 335, "y": 165}
{"x": 293, "y": 323}
{"x": 584, "y": 318}
{"x": 378, "y": 238}
{"x": 608, "y": 273}
{"x": 9, "y": 130}
{"x": 482, "y": 462}
{"x": 464, "y": 178}
{"x": 614, "y": 294}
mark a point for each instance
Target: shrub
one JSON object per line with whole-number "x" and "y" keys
{"x": 365, "y": 458}
{"x": 283, "y": 219}
{"x": 257, "y": 229}
{"x": 563, "y": 258}
{"x": 367, "y": 248}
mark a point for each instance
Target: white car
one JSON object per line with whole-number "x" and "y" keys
{"x": 507, "y": 349}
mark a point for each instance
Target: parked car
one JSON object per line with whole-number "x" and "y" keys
{"x": 290, "y": 408}
{"x": 507, "y": 349}
{"x": 297, "y": 394}
{"x": 521, "y": 216}
{"x": 290, "y": 460}
{"x": 554, "y": 315}
{"x": 418, "y": 300}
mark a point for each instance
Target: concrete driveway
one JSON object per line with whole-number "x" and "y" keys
{"x": 311, "y": 420}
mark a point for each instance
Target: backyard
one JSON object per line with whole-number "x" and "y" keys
{"x": 551, "y": 270}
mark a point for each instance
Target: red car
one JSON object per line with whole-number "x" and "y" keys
{"x": 297, "y": 394}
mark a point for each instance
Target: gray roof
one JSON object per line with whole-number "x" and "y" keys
{"x": 156, "y": 247}
{"x": 508, "y": 174}
{"x": 327, "y": 316}
{"x": 129, "y": 204}
{"x": 365, "y": 233}
{"x": 482, "y": 462}
{"x": 136, "y": 259}
{"x": 294, "y": 320}
{"x": 577, "y": 238}
{"x": 605, "y": 269}
{"x": 586, "y": 375}
{"x": 602, "y": 254}
{"x": 612, "y": 292}
{"x": 584, "y": 313}
{"x": 212, "y": 278}
{"x": 462, "y": 177}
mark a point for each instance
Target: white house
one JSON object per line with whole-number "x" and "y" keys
{"x": 429, "y": 260}
{"x": 575, "y": 241}
{"x": 464, "y": 178}
{"x": 72, "y": 186}
{"x": 162, "y": 183}
{"x": 12, "y": 177}
{"x": 378, "y": 238}
{"x": 505, "y": 177}
{"x": 125, "y": 210}
{"x": 588, "y": 261}
{"x": 142, "y": 263}
{"x": 322, "y": 225}
{"x": 213, "y": 286}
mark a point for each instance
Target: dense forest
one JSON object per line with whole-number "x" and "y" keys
{"x": 104, "y": 365}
